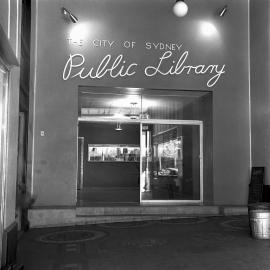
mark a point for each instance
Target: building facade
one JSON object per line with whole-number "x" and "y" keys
{"x": 189, "y": 95}
{"x": 10, "y": 52}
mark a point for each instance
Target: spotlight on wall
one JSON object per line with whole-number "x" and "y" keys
{"x": 208, "y": 29}
{"x": 223, "y": 11}
{"x": 118, "y": 127}
{"x": 180, "y": 8}
{"x": 68, "y": 14}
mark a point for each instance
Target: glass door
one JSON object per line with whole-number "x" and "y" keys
{"x": 171, "y": 161}
{"x": 4, "y": 78}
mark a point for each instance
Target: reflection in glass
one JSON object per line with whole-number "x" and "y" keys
{"x": 170, "y": 162}
{"x": 4, "y": 84}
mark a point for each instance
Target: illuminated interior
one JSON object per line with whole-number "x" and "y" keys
{"x": 166, "y": 143}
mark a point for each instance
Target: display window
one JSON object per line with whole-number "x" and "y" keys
{"x": 113, "y": 153}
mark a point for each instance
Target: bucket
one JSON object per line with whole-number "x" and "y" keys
{"x": 259, "y": 221}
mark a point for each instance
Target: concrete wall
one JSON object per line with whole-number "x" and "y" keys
{"x": 54, "y": 104}
{"x": 260, "y": 83}
{"x": 10, "y": 20}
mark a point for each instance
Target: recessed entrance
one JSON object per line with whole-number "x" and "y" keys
{"x": 110, "y": 163}
{"x": 134, "y": 147}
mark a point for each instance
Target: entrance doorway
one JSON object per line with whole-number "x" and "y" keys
{"x": 142, "y": 146}
{"x": 109, "y": 160}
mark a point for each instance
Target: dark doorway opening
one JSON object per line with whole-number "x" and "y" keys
{"x": 109, "y": 166}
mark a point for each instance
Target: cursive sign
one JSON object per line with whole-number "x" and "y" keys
{"x": 178, "y": 67}
{"x": 113, "y": 67}
{"x": 118, "y": 66}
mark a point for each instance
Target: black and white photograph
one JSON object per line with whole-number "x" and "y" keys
{"x": 135, "y": 134}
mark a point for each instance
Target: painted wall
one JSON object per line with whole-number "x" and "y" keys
{"x": 260, "y": 83}
{"x": 54, "y": 157}
{"x": 10, "y": 20}
{"x": 202, "y": 110}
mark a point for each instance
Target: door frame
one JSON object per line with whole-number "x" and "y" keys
{"x": 160, "y": 121}
{"x": 80, "y": 151}
{"x": 175, "y": 122}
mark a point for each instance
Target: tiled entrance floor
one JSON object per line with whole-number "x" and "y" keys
{"x": 214, "y": 243}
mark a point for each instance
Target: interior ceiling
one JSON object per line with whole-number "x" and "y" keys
{"x": 133, "y": 91}
{"x": 110, "y": 101}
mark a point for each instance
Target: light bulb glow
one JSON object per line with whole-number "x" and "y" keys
{"x": 180, "y": 8}
{"x": 133, "y": 101}
{"x": 118, "y": 115}
{"x": 208, "y": 29}
{"x": 125, "y": 102}
{"x": 118, "y": 127}
{"x": 79, "y": 32}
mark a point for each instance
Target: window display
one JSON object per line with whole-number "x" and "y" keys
{"x": 113, "y": 153}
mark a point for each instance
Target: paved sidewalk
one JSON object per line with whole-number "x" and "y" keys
{"x": 214, "y": 243}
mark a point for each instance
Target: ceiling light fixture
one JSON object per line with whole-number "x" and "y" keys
{"x": 223, "y": 11}
{"x": 180, "y": 8}
{"x": 118, "y": 127}
{"x": 133, "y": 111}
{"x": 71, "y": 16}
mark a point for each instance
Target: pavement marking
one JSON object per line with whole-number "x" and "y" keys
{"x": 71, "y": 236}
